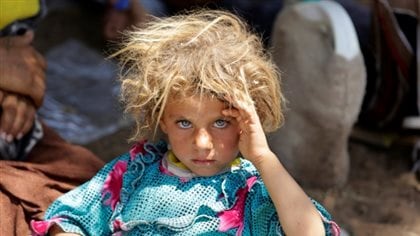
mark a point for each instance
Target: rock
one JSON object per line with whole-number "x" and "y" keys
{"x": 323, "y": 77}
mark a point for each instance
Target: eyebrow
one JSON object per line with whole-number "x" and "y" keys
{"x": 183, "y": 117}
{"x": 176, "y": 116}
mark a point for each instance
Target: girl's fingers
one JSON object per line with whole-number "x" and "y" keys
{"x": 243, "y": 112}
{"x": 233, "y": 112}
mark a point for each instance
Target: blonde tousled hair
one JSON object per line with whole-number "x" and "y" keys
{"x": 206, "y": 52}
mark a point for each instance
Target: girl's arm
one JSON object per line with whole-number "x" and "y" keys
{"x": 296, "y": 212}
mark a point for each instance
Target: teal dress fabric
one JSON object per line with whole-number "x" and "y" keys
{"x": 135, "y": 195}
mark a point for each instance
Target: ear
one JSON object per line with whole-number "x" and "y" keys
{"x": 163, "y": 126}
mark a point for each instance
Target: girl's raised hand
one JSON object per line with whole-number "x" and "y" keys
{"x": 300, "y": 219}
{"x": 253, "y": 143}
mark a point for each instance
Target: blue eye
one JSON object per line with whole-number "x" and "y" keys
{"x": 184, "y": 124}
{"x": 221, "y": 123}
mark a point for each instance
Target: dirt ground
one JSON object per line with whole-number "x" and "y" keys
{"x": 381, "y": 197}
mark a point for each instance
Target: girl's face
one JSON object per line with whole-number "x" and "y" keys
{"x": 200, "y": 136}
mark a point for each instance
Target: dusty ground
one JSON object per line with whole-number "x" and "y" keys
{"x": 381, "y": 197}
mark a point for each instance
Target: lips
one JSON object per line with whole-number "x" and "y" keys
{"x": 203, "y": 162}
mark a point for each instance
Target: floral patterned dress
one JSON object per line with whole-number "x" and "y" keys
{"x": 143, "y": 193}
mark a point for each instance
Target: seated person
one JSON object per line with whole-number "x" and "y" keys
{"x": 36, "y": 165}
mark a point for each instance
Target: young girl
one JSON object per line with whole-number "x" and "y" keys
{"x": 203, "y": 80}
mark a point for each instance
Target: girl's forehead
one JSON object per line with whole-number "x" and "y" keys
{"x": 196, "y": 102}
{"x": 181, "y": 96}
{"x": 199, "y": 100}
{"x": 193, "y": 98}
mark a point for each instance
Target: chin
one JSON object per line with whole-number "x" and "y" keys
{"x": 206, "y": 173}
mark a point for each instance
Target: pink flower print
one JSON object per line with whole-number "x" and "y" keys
{"x": 113, "y": 184}
{"x": 250, "y": 182}
{"x": 184, "y": 179}
{"x": 41, "y": 227}
{"x": 116, "y": 225}
{"x": 335, "y": 229}
{"x": 233, "y": 218}
{"x": 137, "y": 148}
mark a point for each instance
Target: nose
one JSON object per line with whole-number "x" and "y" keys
{"x": 203, "y": 139}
